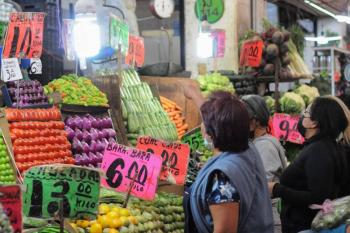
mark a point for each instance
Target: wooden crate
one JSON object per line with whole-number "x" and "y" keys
{"x": 172, "y": 88}
{"x": 110, "y": 86}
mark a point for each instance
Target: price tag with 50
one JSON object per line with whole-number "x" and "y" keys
{"x": 175, "y": 157}
{"x": 125, "y": 166}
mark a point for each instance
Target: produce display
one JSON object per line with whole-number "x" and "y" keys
{"x": 337, "y": 215}
{"x": 308, "y": 93}
{"x": 5, "y": 226}
{"x": 89, "y": 136}
{"x": 111, "y": 218}
{"x": 175, "y": 115}
{"x": 164, "y": 214}
{"x": 50, "y": 229}
{"x": 212, "y": 82}
{"x": 77, "y": 90}
{"x": 26, "y": 93}
{"x": 38, "y": 137}
{"x": 142, "y": 112}
{"x": 7, "y": 175}
{"x": 292, "y": 103}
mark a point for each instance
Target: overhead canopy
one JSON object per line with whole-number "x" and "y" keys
{"x": 335, "y": 6}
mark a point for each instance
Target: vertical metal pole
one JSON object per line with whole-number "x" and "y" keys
{"x": 333, "y": 73}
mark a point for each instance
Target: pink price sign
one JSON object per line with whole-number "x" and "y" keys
{"x": 123, "y": 165}
{"x": 285, "y": 127}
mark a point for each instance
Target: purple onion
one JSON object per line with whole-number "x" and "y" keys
{"x": 79, "y": 134}
{"x": 86, "y": 136}
{"x": 86, "y": 123}
{"x": 104, "y": 133}
{"x": 93, "y": 145}
{"x": 99, "y": 146}
{"x": 107, "y": 122}
{"x": 70, "y": 122}
{"x": 78, "y": 122}
{"x": 94, "y": 134}
{"x": 100, "y": 157}
{"x": 86, "y": 147}
{"x": 77, "y": 146}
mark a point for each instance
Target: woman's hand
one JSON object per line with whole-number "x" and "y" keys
{"x": 271, "y": 185}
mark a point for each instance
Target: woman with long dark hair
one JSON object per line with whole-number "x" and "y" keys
{"x": 320, "y": 171}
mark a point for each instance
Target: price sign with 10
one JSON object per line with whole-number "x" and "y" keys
{"x": 175, "y": 157}
{"x": 125, "y": 167}
{"x": 47, "y": 186}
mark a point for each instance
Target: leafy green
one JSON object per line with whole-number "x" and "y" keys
{"x": 308, "y": 93}
{"x": 292, "y": 103}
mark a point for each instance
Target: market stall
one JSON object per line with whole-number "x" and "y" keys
{"x": 114, "y": 151}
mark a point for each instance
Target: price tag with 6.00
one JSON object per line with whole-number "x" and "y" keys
{"x": 47, "y": 186}
{"x": 285, "y": 127}
{"x": 11, "y": 201}
{"x": 125, "y": 166}
{"x": 175, "y": 157}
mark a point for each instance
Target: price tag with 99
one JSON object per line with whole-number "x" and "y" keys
{"x": 125, "y": 166}
{"x": 47, "y": 186}
{"x": 11, "y": 201}
{"x": 175, "y": 157}
{"x": 285, "y": 127}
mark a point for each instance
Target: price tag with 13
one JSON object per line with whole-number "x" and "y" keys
{"x": 125, "y": 166}
{"x": 47, "y": 186}
{"x": 175, "y": 157}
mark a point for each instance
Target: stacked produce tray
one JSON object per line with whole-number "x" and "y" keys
{"x": 25, "y": 94}
{"x": 89, "y": 135}
{"x": 142, "y": 112}
{"x": 8, "y": 170}
{"x": 38, "y": 137}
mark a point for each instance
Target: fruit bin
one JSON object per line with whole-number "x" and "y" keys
{"x": 32, "y": 90}
{"x": 38, "y": 137}
{"x": 89, "y": 134}
{"x": 6, "y": 158}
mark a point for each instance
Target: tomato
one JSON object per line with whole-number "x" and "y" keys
{"x": 13, "y": 137}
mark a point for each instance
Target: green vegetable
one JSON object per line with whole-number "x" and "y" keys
{"x": 270, "y": 102}
{"x": 308, "y": 93}
{"x": 212, "y": 82}
{"x": 292, "y": 103}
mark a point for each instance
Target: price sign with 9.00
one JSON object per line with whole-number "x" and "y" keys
{"x": 174, "y": 156}
{"x": 125, "y": 166}
{"x": 11, "y": 201}
{"x": 285, "y": 127}
{"x": 47, "y": 186}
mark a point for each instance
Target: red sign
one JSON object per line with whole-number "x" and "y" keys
{"x": 123, "y": 165}
{"x": 136, "y": 52}
{"x": 10, "y": 199}
{"x": 285, "y": 127}
{"x": 24, "y": 35}
{"x": 251, "y": 53}
{"x": 175, "y": 157}
{"x": 219, "y": 37}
